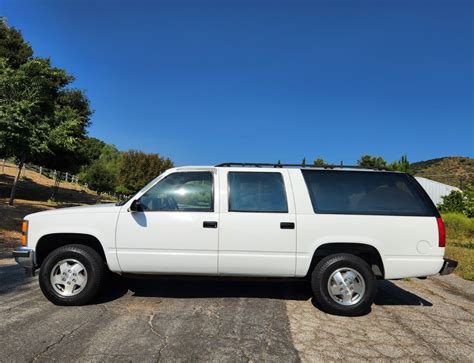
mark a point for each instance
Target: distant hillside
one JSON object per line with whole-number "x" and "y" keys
{"x": 457, "y": 171}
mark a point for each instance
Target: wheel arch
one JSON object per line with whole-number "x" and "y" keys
{"x": 49, "y": 242}
{"x": 367, "y": 252}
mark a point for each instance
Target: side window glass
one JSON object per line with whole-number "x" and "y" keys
{"x": 361, "y": 192}
{"x": 257, "y": 192}
{"x": 186, "y": 191}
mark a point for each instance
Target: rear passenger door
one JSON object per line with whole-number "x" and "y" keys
{"x": 257, "y": 234}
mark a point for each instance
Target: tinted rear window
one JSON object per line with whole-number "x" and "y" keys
{"x": 365, "y": 192}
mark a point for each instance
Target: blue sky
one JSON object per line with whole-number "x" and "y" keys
{"x": 205, "y": 82}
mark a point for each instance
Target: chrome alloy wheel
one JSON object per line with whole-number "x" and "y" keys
{"x": 346, "y": 286}
{"x": 68, "y": 277}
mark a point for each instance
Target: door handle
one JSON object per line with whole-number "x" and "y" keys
{"x": 209, "y": 224}
{"x": 287, "y": 225}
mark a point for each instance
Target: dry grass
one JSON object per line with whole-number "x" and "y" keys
{"x": 460, "y": 243}
{"x": 36, "y": 187}
{"x": 465, "y": 257}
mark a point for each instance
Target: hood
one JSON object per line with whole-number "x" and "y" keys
{"x": 83, "y": 209}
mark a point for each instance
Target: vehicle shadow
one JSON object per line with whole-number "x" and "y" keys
{"x": 391, "y": 294}
{"x": 206, "y": 287}
{"x": 13, "y": 278}
{"x": 227, "y": 287}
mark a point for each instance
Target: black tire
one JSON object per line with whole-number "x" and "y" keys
{"x": 319, "y": 284}
{"x": 93, "y": 264}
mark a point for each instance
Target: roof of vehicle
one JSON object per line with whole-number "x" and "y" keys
{"x": 286, "y": 166}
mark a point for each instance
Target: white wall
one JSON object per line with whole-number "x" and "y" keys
{"x": 435, "y": 189}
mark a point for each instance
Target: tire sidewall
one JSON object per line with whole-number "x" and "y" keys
{"x": 324, "y": 270}
{"x": 87, "y": 259}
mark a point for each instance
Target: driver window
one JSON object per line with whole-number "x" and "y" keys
{"x": 186, "y": 191}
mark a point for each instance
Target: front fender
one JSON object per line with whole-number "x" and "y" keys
{"x": 99, "y": 225}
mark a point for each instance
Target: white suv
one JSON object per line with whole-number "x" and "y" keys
{"x": 341, "y": 227}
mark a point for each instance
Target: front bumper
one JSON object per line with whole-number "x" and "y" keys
{"x": 25, "y": 257}
{"x": 448, "y": 266}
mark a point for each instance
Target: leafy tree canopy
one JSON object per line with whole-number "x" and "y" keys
{"x": 12, "y": 46}
{"x": 375, "y": 162}
{"x": 35, "y": 116}
{"x": 100, "y": 178}
{"x": 402, "y": 165}
{"x": 90, "y": 149}
{"x": 319, "y": 162}
{"x": 102, "y": 173}
{"x": 137, "y": 168}
{"x": 87, "y": 152}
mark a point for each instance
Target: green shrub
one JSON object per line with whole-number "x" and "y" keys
{"x": 458, "y": 226}
{"x": 459, "y": 202}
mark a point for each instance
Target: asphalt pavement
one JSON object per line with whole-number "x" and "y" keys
{"x": 205, "y": 319}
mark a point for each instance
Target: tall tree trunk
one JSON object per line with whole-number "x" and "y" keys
{"x": 15, "y": 182}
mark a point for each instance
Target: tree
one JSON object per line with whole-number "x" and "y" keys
{"x": 34, "y": 117}
{"x": 88, "y": 150}
{"x": 372, "y": 162}
{"x": 137, "y": 168}
{"x": 12, "y": 46}
{"x": 102, "y": 173}
{"x": 100, "y": 178}
{"x": 38, "y": 114}
{"x": 402, "y": 165}
{"x": 319, "y": 162}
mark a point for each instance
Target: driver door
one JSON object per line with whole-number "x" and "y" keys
{"x": 175, "y": 229}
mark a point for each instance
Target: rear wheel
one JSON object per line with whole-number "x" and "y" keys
{"x": 72, "y": 275}
{"x": 344, "y": 284}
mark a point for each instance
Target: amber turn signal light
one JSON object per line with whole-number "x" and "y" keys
{"x": 24, "y": 233}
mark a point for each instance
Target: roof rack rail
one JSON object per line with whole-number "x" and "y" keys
{"x": 279, "y": 165}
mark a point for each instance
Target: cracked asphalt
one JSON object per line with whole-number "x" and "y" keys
{"x": 180, "y": 319}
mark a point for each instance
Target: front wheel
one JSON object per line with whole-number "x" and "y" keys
{"x": 72, "y": 275}
{"x": 344, "y": 284}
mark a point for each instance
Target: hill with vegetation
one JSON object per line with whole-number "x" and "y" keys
{"x": 457, "y": 171}
{"x": 34, "y": 195}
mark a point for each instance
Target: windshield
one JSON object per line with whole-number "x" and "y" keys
{"x": 133, "y": 196}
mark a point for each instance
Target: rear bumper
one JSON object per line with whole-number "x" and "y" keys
{"x": 448, "y": 266}
{"x": 25, "y": 257}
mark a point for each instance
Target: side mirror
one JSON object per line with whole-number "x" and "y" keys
{"x": 135, "y": 206}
